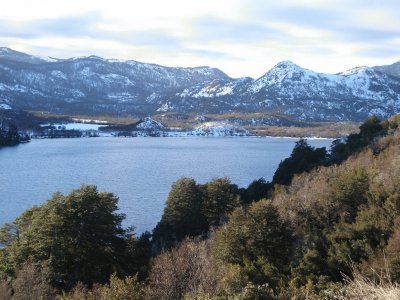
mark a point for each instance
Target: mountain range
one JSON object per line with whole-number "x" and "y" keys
{"x": 97, "y": 86}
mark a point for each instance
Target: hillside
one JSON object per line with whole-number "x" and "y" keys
{"x": 300, "y": 94}
{"x": 330, "y": 231}
{"x": 91, "y": 85}
{"x": 96, "y": 86}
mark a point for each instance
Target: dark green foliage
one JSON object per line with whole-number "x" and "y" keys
{"x": 191, "y": 209}
{"x": 220, "y": 197}
{"x": 182, "y": 214}
{"x": 257, "y": 240}
{"x": 369, "y": 130}
{"x": 256, "y": 191}
{"x": 356, "y": 238}
{"x": 10, "y": 136}
{"x": 304, "y": 158}
{"x": 349, "y": 191}
{"x": 312, "y": 266}
{"x": 137, "y": 254}
{"x": 296, "y": 246}
{"x": 77, "y": 237}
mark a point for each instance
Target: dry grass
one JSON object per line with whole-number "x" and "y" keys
{"x": 63, "y": 117}
{"x": 322, "y": 129}
{"x": 363, "y": 288}
{"x": 325, "y": 130}
{"x": 190, "y": 121}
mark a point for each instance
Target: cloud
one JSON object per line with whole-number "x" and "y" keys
{"x": 245, "y": 37}
{"x": 71, "y": 26}
{"x": 224, "y": 30}
{"x": 380, "y": 52}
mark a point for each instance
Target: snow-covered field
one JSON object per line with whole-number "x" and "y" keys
{"x": 150, "y": 127}
{"x": 77, "y": 126}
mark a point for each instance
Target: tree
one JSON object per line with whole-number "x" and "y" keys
{"x": 349, "y": 191}
{"x": 10, "y": 136}
{"x": 128, "y": 288}
{"x": 184, "y": 272}
{"x": 182, "y": 214}
{"x": 220, "y": 198}
{"x": 369, "y": 130}
{"x": 257, "y": 240}
{"x": 371, "y": 127}
{"x": 304, "y": 158}
{"x": 122, "y": 289}
{"x": 77, "y": 237}
{"x": 257, "y": 190}
{"x": 31, "y": 283}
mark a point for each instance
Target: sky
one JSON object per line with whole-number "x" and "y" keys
{"x": 240, "y": 37}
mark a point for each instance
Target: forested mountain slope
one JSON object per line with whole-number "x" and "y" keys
{"x": 96, "y": 86}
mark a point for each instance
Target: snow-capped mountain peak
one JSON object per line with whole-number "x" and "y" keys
{"x": 12, "y": 55}
{"x": 94, "y": 85}
{"x": 356, "y": 70}
{"x": 4, "y": 50}
{"x": 392, "y": 70}
{"x": 286, "y": 64}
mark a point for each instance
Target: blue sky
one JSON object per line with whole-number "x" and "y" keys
{"x": 242, "y": 38}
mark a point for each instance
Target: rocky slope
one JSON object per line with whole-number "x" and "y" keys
{"x": 393, "y": 69}
{"x": 93, "y": 85}
{"x": 290, "y": 90}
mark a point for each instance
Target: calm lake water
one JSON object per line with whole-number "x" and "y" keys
{"x": 139, "y": 171}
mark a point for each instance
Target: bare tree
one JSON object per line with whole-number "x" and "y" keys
{"x": 5, "y": 290}
{"x": 187, "y": 270}
{"x": 31, "y": 284}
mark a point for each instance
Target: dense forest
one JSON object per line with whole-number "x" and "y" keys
{"x": 326, "y": 227}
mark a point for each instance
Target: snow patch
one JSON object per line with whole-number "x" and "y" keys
{"x": 76, "y": 126}
{"x": 220, "y": 129}
{"x": 5, "y": 106}
{"x": 150, "y": 124}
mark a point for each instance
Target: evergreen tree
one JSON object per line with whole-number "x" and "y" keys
{"x": 304, "y": 158}
{"x": 257, "y": 190}
{"x": 77, "y": 237}
{"x": 258, "y": 241}
{"x": 182, "y": 214}
{"x": 220, "y": 197}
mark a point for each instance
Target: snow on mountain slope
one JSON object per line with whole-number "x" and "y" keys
{"x": 94, "y": 85}
{"x": 288, "y": 89}
{"x": 9, "y": 54}
{"x": 5, "y": 107}
{"x": 393, "y": 69}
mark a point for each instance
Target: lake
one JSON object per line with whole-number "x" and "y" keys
{"x": 139, "y": 171}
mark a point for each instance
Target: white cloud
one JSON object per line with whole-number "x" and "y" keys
{"x": 242, "y": 37}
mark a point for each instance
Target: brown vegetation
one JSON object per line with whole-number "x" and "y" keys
{"x": 303, "y": 239}
{"x": 185, "y": 271}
